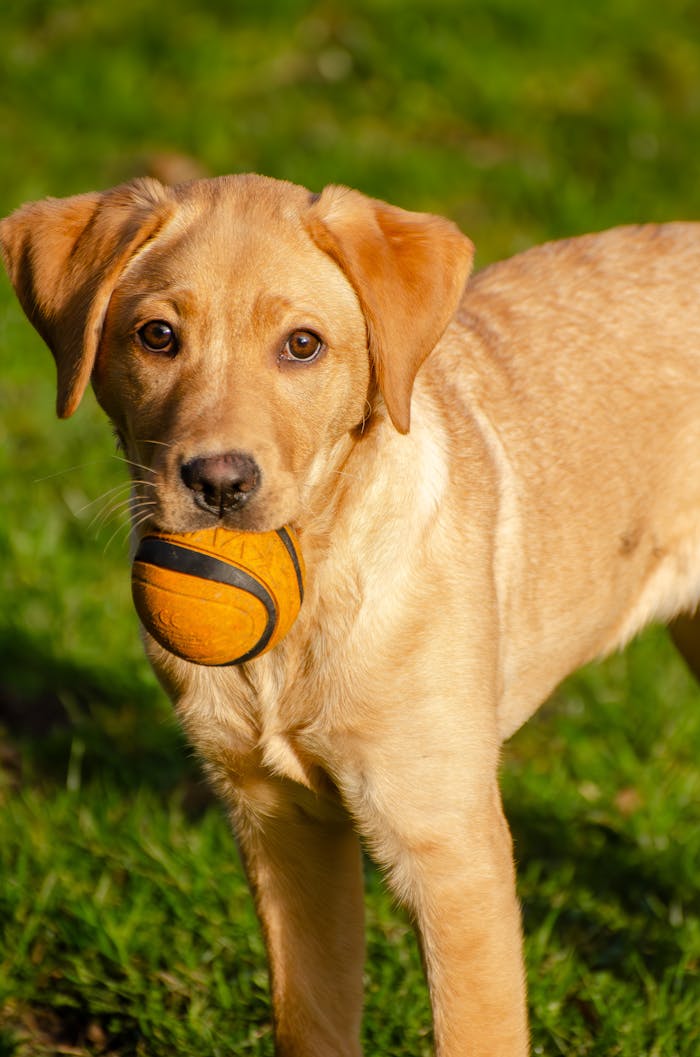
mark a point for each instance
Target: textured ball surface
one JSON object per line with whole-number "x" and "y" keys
{"x": 216, "y": 596}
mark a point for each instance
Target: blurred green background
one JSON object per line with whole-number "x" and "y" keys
{"x": 125, "y": 927}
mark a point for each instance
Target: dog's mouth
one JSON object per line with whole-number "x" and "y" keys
{"x": 196, "y": 518}
{"x": 180, "y": 511}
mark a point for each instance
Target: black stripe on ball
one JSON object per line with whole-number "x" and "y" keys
{"x": 168, "y": 555}
{"x": 291, "y": 550}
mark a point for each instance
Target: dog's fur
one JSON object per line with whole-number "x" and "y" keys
{"x": 474, "y": 529}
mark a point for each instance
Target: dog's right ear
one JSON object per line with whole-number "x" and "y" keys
{"x": 64, "y": 257}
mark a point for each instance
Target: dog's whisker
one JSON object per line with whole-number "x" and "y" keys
{"x": 146, "y": 484}
{"x": 103, "y": 518}
{"x": 126, "y": 527}
{"x": 141, "y": 521}
{"x": 70, "y": 469}
{"x": 135, "y": 466}
{"x": 137, "y": 503}
{"x": 123, "y": 504}
{"x": 137, "y": 508}
{"x": 104, "y": 496}
{"x": 117, "y": 507}
{"x": 103, "y": 514}
{"x": 110, "y": 491}
{"x": 132, "y": 464}
{"x": 162, "y": 443}
{"x": 112, "y": 500}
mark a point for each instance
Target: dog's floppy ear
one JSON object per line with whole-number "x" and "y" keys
{"x": 408, "y": 271}
{"x": 64, "y": 257}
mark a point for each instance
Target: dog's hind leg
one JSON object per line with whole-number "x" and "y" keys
{"x": 685, "y": 632}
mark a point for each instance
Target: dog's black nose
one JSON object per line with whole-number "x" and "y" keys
{"x": 221, "y": 482}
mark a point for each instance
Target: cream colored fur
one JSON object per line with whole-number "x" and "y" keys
{"x": 491, "y": 485}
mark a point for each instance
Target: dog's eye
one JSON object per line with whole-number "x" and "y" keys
{"x": 302, "y": 346}
{"x": 158, "y": 336}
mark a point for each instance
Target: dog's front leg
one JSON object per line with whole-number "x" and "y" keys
{"x": 430, "y": 808}
{"x": 305, "y": 869}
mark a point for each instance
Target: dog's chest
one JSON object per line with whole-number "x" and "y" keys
{"x": 359, "y": 639}
{"x": 282, "y": 715}
{"x": 291, "y": 714}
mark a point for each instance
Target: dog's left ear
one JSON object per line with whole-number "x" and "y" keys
{"x": 408, "y": 271}
{"x": 64, "y": 257}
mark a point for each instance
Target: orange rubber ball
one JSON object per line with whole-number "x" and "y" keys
{"x": 216, "y": 596}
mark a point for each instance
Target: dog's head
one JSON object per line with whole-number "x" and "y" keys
{"x": 237, "y": 331}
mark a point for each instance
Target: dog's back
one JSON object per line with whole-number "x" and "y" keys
{"x": 580, "y": 363}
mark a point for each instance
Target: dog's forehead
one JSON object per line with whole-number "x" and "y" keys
{"x": 237, "y": 206}
{"x": 241, "y": 233}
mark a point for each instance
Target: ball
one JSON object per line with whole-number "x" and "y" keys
{"x": 216, "y": 596}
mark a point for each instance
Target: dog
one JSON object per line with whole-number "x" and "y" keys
{"x": 494, "y": 481}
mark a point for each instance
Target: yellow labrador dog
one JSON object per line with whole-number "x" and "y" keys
{"x": 492, "y": 482}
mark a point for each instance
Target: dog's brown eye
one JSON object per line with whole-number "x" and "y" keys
{"x": 158, "y": 336}
{"x": 302, "y": 346}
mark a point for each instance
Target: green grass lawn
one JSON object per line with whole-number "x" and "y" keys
{"x": 125, "y": 924}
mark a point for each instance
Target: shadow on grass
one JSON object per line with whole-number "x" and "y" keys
{"x": 55, "y": 715}
{"x": 611, "y": 898}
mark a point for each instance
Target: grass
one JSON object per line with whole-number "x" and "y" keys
{"x": 125, "y": 924}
